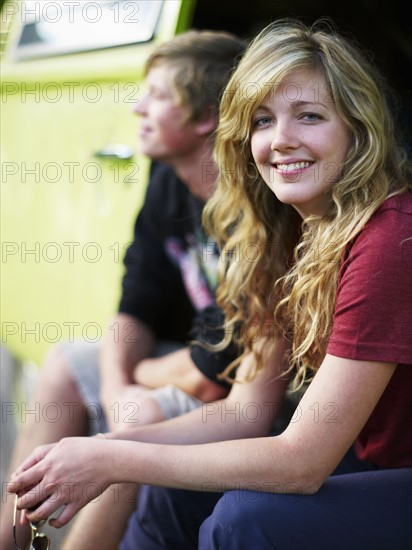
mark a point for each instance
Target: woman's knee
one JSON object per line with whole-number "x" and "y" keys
{"x": 369, "y": 507}
{"x": 232, "y": 524}
{"x": 252, "y": 519}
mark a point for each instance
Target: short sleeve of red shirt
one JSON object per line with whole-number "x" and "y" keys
{"x": 373, "y": 310}
{"x": 373, "y": 321}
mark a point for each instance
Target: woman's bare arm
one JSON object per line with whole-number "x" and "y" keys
{"x": 330, "y": 415}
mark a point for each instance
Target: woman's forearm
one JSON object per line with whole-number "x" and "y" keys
{"x": 217, "y": 466}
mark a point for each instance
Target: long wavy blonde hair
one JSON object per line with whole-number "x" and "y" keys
{"x": 289, "y": 284}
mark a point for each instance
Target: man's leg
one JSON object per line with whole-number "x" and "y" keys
{"x": 56, "y": 394}
{"x": 101, "y": 524}
{"x": 168, "y": 518}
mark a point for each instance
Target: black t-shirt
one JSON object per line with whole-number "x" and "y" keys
{"x": 208, "y": 328}
{"x": 171, "y": 270}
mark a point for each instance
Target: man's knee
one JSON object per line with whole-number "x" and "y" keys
{"x": 55, "y": 358}
{"x": 55, "y": 377}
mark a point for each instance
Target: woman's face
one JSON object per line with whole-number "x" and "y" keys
{"x": 299, "y": 142}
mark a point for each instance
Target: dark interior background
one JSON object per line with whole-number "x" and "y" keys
{"x": 381, "y": 27}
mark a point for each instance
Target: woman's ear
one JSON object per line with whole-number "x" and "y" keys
{"x": 207, "y": 122}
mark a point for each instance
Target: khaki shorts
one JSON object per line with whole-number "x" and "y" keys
{"x": 83, "y": 360}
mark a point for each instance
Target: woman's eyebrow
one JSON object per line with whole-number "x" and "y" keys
{"x": 296, "y": 104}
{"x": 262, "y": 109}
{"x": 301, "y": 103}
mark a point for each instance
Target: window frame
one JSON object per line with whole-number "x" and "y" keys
{"x": 118, "y": 12}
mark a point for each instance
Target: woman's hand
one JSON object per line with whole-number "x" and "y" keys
{"x": 38, "y": 454}
{"x": 72, "y": 473}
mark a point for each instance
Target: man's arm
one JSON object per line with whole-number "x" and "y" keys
{"x": 229, "y": 418}
{"x": 178, "y": 368}
{"x": 127, "y": 342}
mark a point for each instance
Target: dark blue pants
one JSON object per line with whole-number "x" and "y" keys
{"x": 366, "y": 510}
{"x": 168, "y": 518}
{"x": 362, "y": 511}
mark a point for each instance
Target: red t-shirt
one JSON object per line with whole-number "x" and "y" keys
{"x": 373, "y": 321}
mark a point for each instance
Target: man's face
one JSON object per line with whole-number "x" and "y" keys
{"x": 165, "y": 133}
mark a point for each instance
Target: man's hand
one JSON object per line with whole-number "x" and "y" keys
{"x": 177, "y": 368}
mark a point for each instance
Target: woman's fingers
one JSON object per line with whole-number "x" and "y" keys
{"x": 50, "y": 478}
{"x": 34, "y": 458}
{"x": 66, "y": 515}
{"x": 44, "y": 499}
{"x": 25, "y": 484}
{"x": 38, "y": 503}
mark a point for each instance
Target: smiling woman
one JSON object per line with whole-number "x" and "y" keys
{"x": 323, "y": 104}
{"x": 331, "y": 289}
{"x": 296, "y": 142}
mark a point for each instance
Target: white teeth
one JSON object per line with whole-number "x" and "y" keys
{"x": 293, "y": 166}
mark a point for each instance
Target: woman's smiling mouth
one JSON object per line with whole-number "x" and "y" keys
{"x": 293, "y": 166}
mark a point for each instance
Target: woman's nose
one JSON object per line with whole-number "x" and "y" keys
{"x": 284, "y": 136}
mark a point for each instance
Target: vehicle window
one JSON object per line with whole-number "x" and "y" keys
{"x": 55, "y": 28}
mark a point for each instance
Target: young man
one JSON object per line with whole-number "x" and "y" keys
{"x": 170, "y": 279}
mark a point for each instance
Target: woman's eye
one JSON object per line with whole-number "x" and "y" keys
{"x": 262, "y": 121}
{"x": 311, "y": 117}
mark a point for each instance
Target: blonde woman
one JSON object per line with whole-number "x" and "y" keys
{"x": 313, "y": 180}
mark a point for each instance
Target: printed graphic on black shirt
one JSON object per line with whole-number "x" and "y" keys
{"x": 197, "y": 260}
